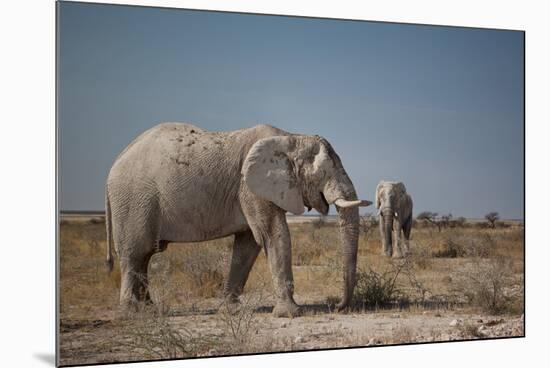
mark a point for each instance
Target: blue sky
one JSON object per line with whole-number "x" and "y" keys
{"x": 439, "y": 108}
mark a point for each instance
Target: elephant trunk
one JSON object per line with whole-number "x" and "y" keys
{"x": 387, "y": 218}
{"x": 349, "y": 230}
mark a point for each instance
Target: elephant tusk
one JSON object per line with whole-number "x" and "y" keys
{"x": 349, "y": 204}
{"x": 395, "y": 214}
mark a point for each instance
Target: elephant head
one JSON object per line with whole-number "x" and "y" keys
{"x": 389, "y": 196}
{"x": 293, "y": 171}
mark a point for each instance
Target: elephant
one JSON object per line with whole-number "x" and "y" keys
{"x": 395, "y": 210}
{"x": 179, "y": 183}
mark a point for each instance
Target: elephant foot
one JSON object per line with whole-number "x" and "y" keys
{"x": 343, "y": 307}
{"x": 397, "y": 256}
{"x": 128, "y": 310}
{"x": 232, "y": 298}
{"x": 388, "y": 253}
{"x": 231, "y": 304}
{"x": 133, "y": 306}
{"x": 287, "y": 310}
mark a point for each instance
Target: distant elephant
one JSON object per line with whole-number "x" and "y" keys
{"x": 395, "y": 210}
{"x": 179, "y": 183}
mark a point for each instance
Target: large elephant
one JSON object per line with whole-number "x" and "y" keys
{"x": 395, "y": 210}
{"x": 177, "y": 182}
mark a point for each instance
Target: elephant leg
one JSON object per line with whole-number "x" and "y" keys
{"x": 278, "y": 250}
{"x": 245, "y": 252}
{"x": 386, "y": 248}
{"x": 134, "y": 283}
{"x": 407, "y": 234}
{"x": 398, "y": 251}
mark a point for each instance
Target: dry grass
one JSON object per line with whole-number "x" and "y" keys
{"x": 491, "y": 285}
{"x": 85, "y": 284}
{"x": 240, "y": 321}
{"x": 151, "y": 335}
{"x": 189, "y": 277}
{"x": 196, "y": 271}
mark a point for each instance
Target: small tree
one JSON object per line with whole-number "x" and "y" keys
{"x": 460, "y": 221}
{"x": 430, "y": 217}
{"x": 492, "y": 218}
{"x": 445, "y": 220}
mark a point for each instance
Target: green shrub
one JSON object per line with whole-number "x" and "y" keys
{"x": 375, "y": 289}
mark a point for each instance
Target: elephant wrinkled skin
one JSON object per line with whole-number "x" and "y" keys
{"x": 179, "y": 183}
{"x": 395, "y": 210}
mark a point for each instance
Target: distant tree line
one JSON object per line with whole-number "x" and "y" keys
{"x": 369, "y": 221}
{"x": 448, "y": 221}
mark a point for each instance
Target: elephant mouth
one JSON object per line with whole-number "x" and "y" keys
{"x": 324, "y": 204}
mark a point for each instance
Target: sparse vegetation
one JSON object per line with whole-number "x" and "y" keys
{"x": 430, "y": 217}
{"x": 492, "y": 218}
{"x": 466, "y": 268}
{"x": 459, "y": 222}
{"x": 151, "y": 335}
{"x": 441, "y": 222}
{"x": 240, "y": 320}
{"x": 203, "y": 269}
{"x": 367, "y": 225}
{"x": 375, "y": 290}
{"x": 446, "y": 220}
{"x": 490, "y": 285}
{"x": 457, "y": 244}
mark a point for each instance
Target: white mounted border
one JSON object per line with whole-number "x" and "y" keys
{"x": 28, "y": 180}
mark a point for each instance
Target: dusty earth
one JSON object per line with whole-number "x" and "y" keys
{"x": 448, "y": 285}
{"x": 206, "y": 334}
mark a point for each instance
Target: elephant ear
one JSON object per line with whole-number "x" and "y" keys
{"x": 269, "y": 173}
{"x": 400, "y": 188}
{"x": 378, "y": 194}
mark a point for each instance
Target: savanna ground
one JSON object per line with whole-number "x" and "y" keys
{"x": 462, "y": 282}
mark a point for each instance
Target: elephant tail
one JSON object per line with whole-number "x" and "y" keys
{"x": 108, "y": 223}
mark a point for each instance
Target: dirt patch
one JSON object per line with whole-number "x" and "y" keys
{"x": 97, "y": 341}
